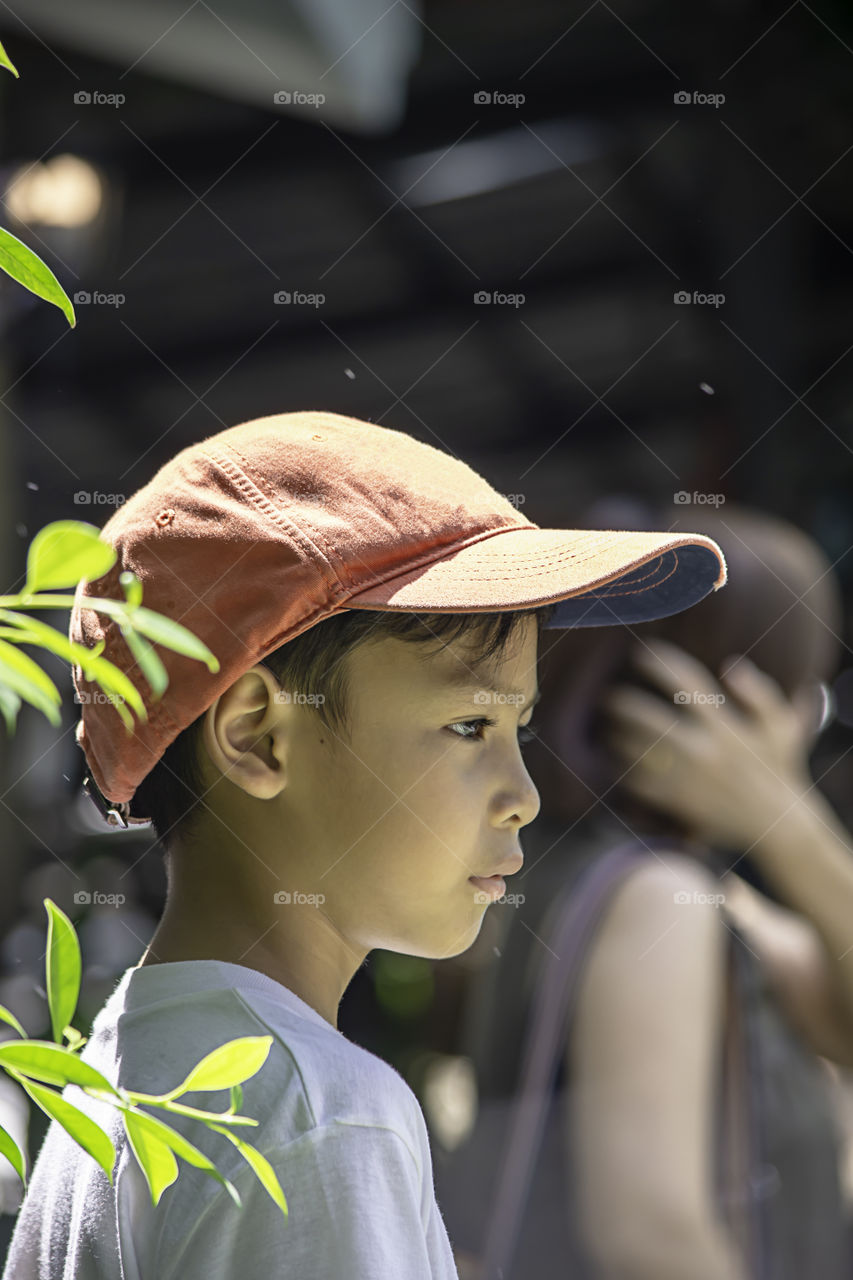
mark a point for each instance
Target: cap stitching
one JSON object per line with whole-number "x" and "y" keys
{"x": 605, "y": 592}
{"x": 352, "y": 586}
{"x": 297, "y": 535}
{"x": 338, "y": 566}
{"x": 549, "y": 564}
{"x": 593, "y": 549}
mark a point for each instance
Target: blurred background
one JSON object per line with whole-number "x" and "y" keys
{"x": 592, "y": 249}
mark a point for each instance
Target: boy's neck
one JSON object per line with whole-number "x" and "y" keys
{"x": 302, "y": 953}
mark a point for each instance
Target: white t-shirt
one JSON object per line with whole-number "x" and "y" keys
{"x": 341, "y": 1128}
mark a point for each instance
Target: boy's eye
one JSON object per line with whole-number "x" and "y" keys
{"x": 526, "y": 733}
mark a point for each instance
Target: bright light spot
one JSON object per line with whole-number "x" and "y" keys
{"x": 62, "y": 192}
{"x": 450, "y": 1099}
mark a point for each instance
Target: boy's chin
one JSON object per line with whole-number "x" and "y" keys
{"x": 455, "y": 946}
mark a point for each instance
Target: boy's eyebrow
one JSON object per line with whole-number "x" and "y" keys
{"x": 465, "y": 682}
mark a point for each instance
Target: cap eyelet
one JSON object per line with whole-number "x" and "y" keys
{"x": 164, "y": 517}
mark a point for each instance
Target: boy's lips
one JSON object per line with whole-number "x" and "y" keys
{"x": 494, "y": 884}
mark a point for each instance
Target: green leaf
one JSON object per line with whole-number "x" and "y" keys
{"x": 163, "y": 630}
{"x": 10, "y": 705}
{"x": 122, "y": 711}
{"x": 24, "y": 664}
{"x": 29, "y": 670}
{"x": 13, "y": 1153}
{"x": 62, "y": 968}
{"x": 155, "y": 1159}
{"x": 260, "y": 1165}
{"x": 172, "y": 635}
{"x": 149, "y": 663}
{"x": 17, "y": 673}
{"x": 6, "y": 62}
{"x": 27, "y": 630}
{"x": 228, "y": 1065}
{"x": 33, "y": 631}
{"x": 74, "y": 1038}
{"x": 64, "y": 552}
{"x": 6, "y": 1016}
{"x": 132, "y": 588}
{"x": 157, "y": 1131}
{"x": 52, "y": 1064}
{"x": 195, "y": 1113}
{"x": 19, "y": 261}
{"x": 82, "y": 1128}
{"x": 108, "y": 676}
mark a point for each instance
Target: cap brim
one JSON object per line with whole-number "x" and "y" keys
{"x": 597, "y": 577}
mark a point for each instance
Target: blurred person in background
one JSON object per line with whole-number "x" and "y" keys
{"x": 693, "y": 1129}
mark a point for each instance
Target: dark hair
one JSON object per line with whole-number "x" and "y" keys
{"x": 171, "y": 795}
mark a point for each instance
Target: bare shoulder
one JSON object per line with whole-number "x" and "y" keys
{"x": 642, "y": 1055}
{"x": 670, "y": 891}
{"x": 672, "y": 871}
{"x": 655, "y": 966}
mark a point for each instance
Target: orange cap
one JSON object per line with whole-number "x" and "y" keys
{"x": 250, "y": 537}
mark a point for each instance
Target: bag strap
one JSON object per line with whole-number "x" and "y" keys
{"x": 741, "y": 1139}
{"x": 576, "y": 920}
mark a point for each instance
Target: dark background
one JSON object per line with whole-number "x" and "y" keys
{"x": 592, "y": 203}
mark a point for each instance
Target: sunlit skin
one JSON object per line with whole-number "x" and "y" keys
{"x": 387, "y": 823}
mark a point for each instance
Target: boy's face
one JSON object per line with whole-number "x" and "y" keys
{"x": 391, "y": 823}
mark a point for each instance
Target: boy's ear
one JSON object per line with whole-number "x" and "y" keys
{"x": 243, "y": 733}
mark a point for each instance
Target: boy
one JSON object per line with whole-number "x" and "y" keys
{"x": 351, "y": 778}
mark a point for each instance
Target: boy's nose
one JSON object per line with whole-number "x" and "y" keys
{"x": 523, "y": 800}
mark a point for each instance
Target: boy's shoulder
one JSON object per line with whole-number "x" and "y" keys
{"x": 334, "y": 1121}
{"x": 313, "y": 1075}
{"x": 338, "y": 1080}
